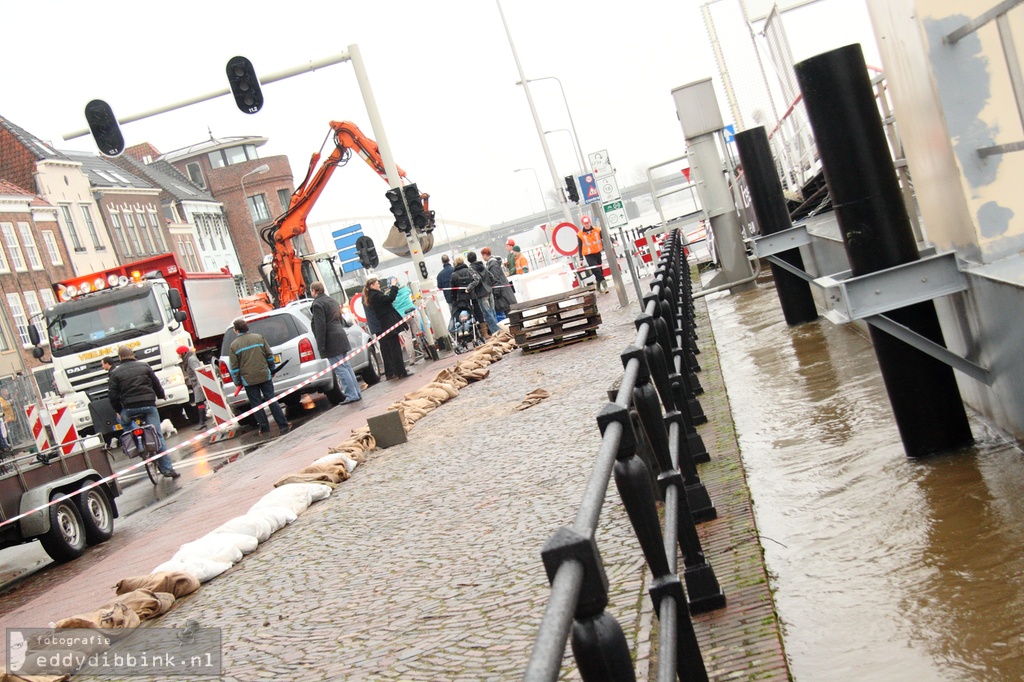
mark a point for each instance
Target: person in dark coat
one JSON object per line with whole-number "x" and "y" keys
{"x": 382, "y": 305}
{"x": 189, "y": 364}
{"x": 502, "y": 291}
{"x": 332, "y": 340}
{"x": 484, "y": 298}
{"x": 133, "y": 389}
{"x": 467, "y": 283}
{"x": 251, "y": 364}
{"x": 444, "y": 281}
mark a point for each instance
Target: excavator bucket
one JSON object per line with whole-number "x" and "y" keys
{"x": 397, "y": 244}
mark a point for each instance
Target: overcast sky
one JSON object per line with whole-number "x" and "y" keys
{"x": 442, "y": 73}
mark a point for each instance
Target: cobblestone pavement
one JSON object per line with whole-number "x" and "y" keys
{"x": 426, "y": 565}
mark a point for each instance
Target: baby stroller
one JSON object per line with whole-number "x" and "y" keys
{"x": 463, "y": 329}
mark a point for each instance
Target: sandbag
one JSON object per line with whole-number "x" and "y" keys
{"x": 177, "y": 583}
{"x": 117, "y": 616}
{"x": 209, "y": 547}
{"x": 146, "y": 604}
{"x": 244, "y": 543}
{"x": 202, "y": 569}
{"x": 293, "y": 497}
{"x": 278, "y": 517}
{"x": 254, "y": 526}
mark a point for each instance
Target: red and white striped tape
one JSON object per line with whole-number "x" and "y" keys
{"x": 195, "y": 439}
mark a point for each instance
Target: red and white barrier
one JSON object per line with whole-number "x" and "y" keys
{"x": 64, "y": 431}
{"x": 35, "y": 424}
{"x": 216, "y": 403}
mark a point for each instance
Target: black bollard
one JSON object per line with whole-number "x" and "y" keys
{"x": 876, "y": 231}
{"x": 772, "y": 216}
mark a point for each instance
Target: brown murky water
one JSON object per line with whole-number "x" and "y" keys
{"x": 884, "y": 568}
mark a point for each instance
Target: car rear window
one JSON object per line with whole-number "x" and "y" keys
{"x": 276, "y": 329}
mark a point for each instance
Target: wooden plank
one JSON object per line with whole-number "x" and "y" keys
{"x": 557, "y": 334}
{"x": 592, "y": 334}
{"x": 518, "y": 317}
{"x": 562, "y": 328}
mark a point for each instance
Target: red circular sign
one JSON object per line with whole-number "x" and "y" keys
{"x": 355, "y": 304}
{"x": 567, "y": 247}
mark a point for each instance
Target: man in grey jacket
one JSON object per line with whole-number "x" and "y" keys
{"x": 332, "y": 340}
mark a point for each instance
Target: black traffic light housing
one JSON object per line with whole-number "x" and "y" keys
{"x": 245, "y": 86}
{"x": 104, "y": 127}
{"x": 420, "y": 218}
{"x": 367, "y": 252}
{"x": 571, "y": 190}
{"x": 398, "y": 209}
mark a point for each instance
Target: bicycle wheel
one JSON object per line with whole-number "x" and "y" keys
{"x": 151, "y": 471}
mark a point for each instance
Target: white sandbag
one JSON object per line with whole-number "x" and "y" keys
{"x": 202, "y": 569}
{"x": 258, "y": 526}
{"x": 277, "y": 517}
{"x": 294, "y": 496}
{"x": 317, "y": 491}
{"x": 244, "y": 543}
{"x": 216, "y": 550}
{"x": 338, "y": 458}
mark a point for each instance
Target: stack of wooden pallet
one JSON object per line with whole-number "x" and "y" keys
{"x": 555, "y": 321}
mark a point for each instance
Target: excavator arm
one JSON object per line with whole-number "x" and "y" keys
{"x": 287, "y": 267}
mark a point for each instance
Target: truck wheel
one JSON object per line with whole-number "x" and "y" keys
{"x": 66, "y": 538}
{"x": 371, "y": 373}
{"x": 336, "y": 394}
{"x": 97, "y": 515}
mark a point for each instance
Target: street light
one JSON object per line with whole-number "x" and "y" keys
{"x": 579, "y": 147}
{"x": 261, "y": 170}
{"x": 583, "y": 169}
{"x": 536, "y": 177}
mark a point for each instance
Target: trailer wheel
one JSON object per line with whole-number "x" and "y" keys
{"x": 97, "y": 515}
{"x": 66, "y": 538}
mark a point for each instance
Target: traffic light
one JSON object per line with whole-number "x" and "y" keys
{"x": 570, "y": 188}
{"x": 367, "y": 252}
{"x": 245, "y": 86}
{"x": 419, "y": 217}
{"x": 398, "y": 209}
{"x": 104, "y": 127}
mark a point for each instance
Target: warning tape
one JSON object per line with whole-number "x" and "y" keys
{"x": 195, "y": 439}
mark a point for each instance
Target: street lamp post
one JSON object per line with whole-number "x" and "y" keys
{"x": 261, "y": 170}
{"x": 583, "y": 169}
{"x": 579, "y": 147}
{"x": 547, "y": 213}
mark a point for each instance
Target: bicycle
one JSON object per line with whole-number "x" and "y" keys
{"x": 141, "y": 441}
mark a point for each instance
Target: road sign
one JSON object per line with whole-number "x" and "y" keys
{"x": 730, "y": 133}
{"x": 615, "y": 214}
{"x": 588, "y": 189}
{"x": 600, "y": 163}
{"x": 564, "y": 239}
{"x": 345, "y": 242}
{"x": 608, "y": 188}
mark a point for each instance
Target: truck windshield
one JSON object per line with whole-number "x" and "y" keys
{"x": 110, "y": 317}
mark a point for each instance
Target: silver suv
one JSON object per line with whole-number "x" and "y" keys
{"x": 289, "y": 333}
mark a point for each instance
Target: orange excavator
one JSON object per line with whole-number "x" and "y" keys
{"x": 287, "y": 282}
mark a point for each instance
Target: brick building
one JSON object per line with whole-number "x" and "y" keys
{"x": 253, "y": 190}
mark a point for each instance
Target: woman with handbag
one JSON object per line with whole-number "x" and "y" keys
{"x": 382, "y": 305}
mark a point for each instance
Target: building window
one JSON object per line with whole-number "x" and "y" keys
{"x": 13, "y": 247}
{"x": 190, "y": 256}
{"x": 258, "y": 209}
{"x": 49, "y": 299}
{"x": 133, "y": 234}
{"x": 217, "y": 159}
{"x": 18, "y": 315}
{"x": 5, "y": 339}
{"x": 195, "y": 174}
{"x": 154, "y": 222}
{"x": 69, "y": 224}
{"x": 31, "y": 250}
{"x": 150, "y": 235}
{"x": 285, "y": 197}
{"x": 115, "y": 222}
{"x": 90, "y": 227}
{"x": 51, "y": 248}
{"x": 35, "y": 314}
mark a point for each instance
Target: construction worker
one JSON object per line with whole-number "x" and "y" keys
{"x": 591, "y": 248}
{"x": 510, "y": 256}
{"x": 522, "y": 265}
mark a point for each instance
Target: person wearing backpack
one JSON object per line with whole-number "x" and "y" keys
{"x": 133, "y": 389}
{"x": 484, "y": 295}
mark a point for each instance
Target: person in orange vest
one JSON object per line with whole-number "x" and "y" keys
{"x": 522, "y": 265}
{"x": 591, "y": 247}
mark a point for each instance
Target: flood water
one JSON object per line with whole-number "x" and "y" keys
{"x": 883, "y": 567}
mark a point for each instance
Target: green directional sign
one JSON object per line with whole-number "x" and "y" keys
{"x": 613, "y": 206}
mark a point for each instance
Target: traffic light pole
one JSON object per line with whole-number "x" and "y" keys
{"x": 391, "y": 170}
